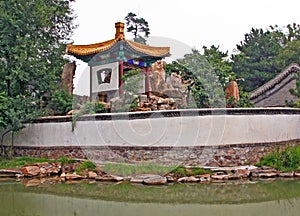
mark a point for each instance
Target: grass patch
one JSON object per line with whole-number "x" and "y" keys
{"x": 85, "y": 166}
{"x": 285, "y": 160}
{"x": 65, "y": 160}
{"x": 21, "y": 161}
{"x": 198, "y": 171}
{"x": 25, "y": 160}
{"x": 181, "y": 171}
{"x": 137, "y": 169}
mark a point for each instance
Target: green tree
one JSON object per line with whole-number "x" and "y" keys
{"x": 296, "y": 92}
{"x": 205, "y": 87}
{"x": 290, "y": 53}
{"x": 219, "y": 61}
{"x": 208, "y": 75}
{"x": 33, "y": 37}
{"x": 265, "y": 53}
{"x": 139, "y": 27}
{"x": 256, "y": 59}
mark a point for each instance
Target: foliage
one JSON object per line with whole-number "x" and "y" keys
{"x": 145, "y": 168}
{"x": 208, "y": 76}
{"x": 33, "y": 37}
{"x": 265, "y": 53}
{"x": 206, "y": 89}
{"x": 26, "y": 160}
{"x": 219, "y": 61}
{"x": 14, "y": 113}
{"x": 285, "y": 160}
{"x": 136, "y": 26}
{"x": 61, "y": 102}
{"x": 86, "y": 166}
{"x": 132, "y": 81}
{"x": 256, "y": 58}
{"x": 64, "y": 160}
{"x": 21, "y": 161}
{"x": 129, "y": 100}
{"x": 290, "y": 53}
{"x": 296, "y": 92}
{"x": 88, "y": 108}
{"x": 182, "y": 171}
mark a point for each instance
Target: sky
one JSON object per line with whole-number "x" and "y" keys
{"x": 188, "y": 23}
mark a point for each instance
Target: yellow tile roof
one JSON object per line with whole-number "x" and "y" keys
{"x": 84, "y": 50}
{"x": 92, "y": 49}
{"x": 149, "y": 50}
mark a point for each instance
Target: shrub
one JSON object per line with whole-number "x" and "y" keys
{"x": 285, "y": 160}
{"x": 61, "y": 102}
{"x": 86, "y": 165}
{"x": 88, "y": 108}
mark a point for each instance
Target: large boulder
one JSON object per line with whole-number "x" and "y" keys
{"x": 67, "y": 76}
{"x": 232, "y": 91}
{"x": 155, "y": 180}
{"x": 31, "y": 170}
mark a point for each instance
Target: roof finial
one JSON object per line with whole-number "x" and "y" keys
{"x": 119, "y": 31}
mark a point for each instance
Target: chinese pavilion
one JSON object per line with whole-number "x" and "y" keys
{"x": 110, "y": 60}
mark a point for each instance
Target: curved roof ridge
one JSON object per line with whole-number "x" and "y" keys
{"x": 292, "y": 68}
{"x": 149, "y": 50}
{"x": 90, "y": 49}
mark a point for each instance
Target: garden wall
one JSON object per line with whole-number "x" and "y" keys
{"x": 207, "y": 137}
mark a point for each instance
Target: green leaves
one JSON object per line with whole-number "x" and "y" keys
{"x": 61, "y": 102}
{"x": 265, "y": 53}
{"x": 33, "y": 36}
{"x": 136, "y": 26}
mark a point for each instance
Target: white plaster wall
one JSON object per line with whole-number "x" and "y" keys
{"x": 176, "y": 131}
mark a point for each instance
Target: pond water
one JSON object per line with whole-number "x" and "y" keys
{"x": 278, "y": 197}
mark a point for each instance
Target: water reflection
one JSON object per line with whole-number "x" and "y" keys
{"x": 280, "y": 197}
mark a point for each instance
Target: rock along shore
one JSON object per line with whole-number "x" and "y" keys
{"x": 39, "y": 173}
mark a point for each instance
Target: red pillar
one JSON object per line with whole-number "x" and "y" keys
{"x": 121, "y": 73}
{"x": 91, "y": 83}
{"x": 147, "y": 82}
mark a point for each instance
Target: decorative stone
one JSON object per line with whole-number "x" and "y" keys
{"x": 220, "y": 176}
{"x": 74, "y": 176}
{"x": 67, "y": 76}
{"x": 232, "y": 91}
{"x": 140, "y": 178}
{"x": 188, "y": 179}
{"x": 18, "y": 176}
{"x": 204, "y": 177}
{"x": 157, "y": 77}
{"x": 92, "y": 175}
{"x": 170, "y": 178}
{"x": 52, "y": 170}
{"x": 264, "y": 174}
{"x": 243, "y": 173}
{"x": 9, "y": 173}
{"x": 286, "y": 174}
{"x": 156, "y": 180}
{"x": 109, "y": 178}
{"x": 30, "y": 170}
{"x": 63, "y": 176}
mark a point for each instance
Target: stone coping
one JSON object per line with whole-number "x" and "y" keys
{"x": 113, "y": 147}
{"x": 171, "y": 113}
